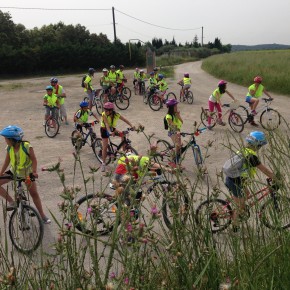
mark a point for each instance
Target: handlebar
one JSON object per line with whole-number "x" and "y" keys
{"x": 196, "y": 133}
{"x": 88, "y": 125}
{"x": 31, "y": 177}
{"x": 267, "y": 99}
{"x": 125, "y": 132}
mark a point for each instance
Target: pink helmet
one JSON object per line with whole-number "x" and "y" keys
{"x": 171, "y": 102}
{"x": 222, "y": 83}
{"x": 109, "y": 106}
{"x": 186, "y": 75}
{"x": 258, "y": 79}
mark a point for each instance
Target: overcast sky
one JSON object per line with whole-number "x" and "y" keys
{"x": 246, "y": 22}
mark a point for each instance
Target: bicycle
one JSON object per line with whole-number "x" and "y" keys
{"x": 217, "y": 214}
{"x": 97, "y": 213}
{"x": 25, "y": 224}
{"x": 96, "y": 101}
{"x": 79, "y": 138}
{"x": 155, "y": 101}
{"x": 125, "y": 90}
{"x": 114, "y": 149}
{"x": 137, "y": 90}
{"x": 122, "y": 102}
{"x": 188, "y": 95}
{"x": 166, "y": 151}
{"x": 235, "y": 120}
{"x": 270, "y": 119}
{"x": 51, "y": 126}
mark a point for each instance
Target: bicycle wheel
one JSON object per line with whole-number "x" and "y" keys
{"x": 275, "y": 213}
{"x": 98, "y": 149}
{"x": 197, "y": 156}
{"x": 96, "y": 215}
{"x": 86, "y": 99}
{"x": 175, "y": 204}
{"x": 243, "y": 112}
{"x": 204, "y": 117}
{"x": 236, "y": 122}
{"x": 270, "y": 119}
{"x": 189, "y": 97}
{"x": 122, "y": 102}
{"x": 77, "y": 139}
{"x": 99, "y": 105}
{"x": 170, "y": 95}
{"x": 136, "y": 89}
{"x": 155, "y": 102}
{"x": 25, "y": 229}
{"x": 164, "y": 151}
{"x": 51, "y": 127}
{"x": 130, "y": 149}
{"x": 214, "y": 214}
{"x": 126, "y": 92}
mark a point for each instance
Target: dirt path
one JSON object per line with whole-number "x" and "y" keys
{"x": 23, "y": 106}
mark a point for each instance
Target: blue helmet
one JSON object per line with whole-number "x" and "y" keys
{"x": 84, "y": 104}
{"x": 160, "y": 76}
{"x": 151, "y": 73}
{"x": 12, "y": 132}
{"x": 256, "y": 139}
{"x": 49, "y": 88}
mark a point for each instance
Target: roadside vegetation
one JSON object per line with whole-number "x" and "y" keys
{"x": 241, "y": 67}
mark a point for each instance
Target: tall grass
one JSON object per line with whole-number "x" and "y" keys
{"x": 242, "y": 67}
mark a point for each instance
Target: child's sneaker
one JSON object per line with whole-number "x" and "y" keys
{"x": 103, "y": 167}
{"x": 46, "y": 220}
{"x": 11, "y": 206}
{"x": 220, "y": 122}
{"x": 254, "y": 113}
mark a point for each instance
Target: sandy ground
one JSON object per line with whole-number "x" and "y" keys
{"x": 22, "y": 105}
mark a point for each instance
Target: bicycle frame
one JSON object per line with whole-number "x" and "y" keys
{"x": 115, "y": 147}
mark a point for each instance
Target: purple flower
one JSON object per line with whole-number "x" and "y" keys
{"x": 129, "y": 228}
{"x": 126, "y": 281}
{"x": 112, "y": 275}
{"x": 89, "y": 210}
{"x": 154, "y": 210}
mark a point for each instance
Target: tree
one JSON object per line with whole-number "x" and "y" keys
{"x": 195, "y": 42}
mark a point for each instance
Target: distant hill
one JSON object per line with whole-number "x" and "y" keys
{"x": 260, "y": 47}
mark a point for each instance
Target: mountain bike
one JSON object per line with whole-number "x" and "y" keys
{"x": 155, "y": 101}
{"x": 188, "y": 95}
{"x": 97, "y": 213}
{"x": 51, "y": 126}
{"x": 125, "y": 90}
{"x": 270, "y": 119}
{"x": 25, "y": 224}
{"x": 166, "y": 151}
{"x": 114, "y": 149}
{"x": 216, "y": 214}
{"x": 234, "y": 119}
{"x": 121, "y": 101}
{"x": 79, "y": 138}
{"x": 140, "y": 91}
{"x": 96, "y": 101}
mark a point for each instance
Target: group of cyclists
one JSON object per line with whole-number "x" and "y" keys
{"x": 110, "y": 82}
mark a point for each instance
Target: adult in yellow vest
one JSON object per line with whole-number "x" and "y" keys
{"x": 113, "y": 79}
{"x": 23, "y": 163}
{"x": 88, "y": 86}
{"x": 59, "y": 91}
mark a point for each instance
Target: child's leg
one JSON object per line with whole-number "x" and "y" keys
{"x": 211, "y": 106}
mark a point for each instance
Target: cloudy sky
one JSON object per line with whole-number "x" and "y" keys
{"x": 246, "y": 22}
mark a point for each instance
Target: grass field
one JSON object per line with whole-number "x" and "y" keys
{"x": 242, "y": 67}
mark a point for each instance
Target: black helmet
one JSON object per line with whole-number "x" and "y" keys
{"x": 91, "y": 70}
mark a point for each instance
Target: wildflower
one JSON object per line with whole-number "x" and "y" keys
{"x": 154, "y": 211}
{"x": 126, "y": 281}
{"x": 110, "y": 286}
{"x": 69, "y": 225}
{"x": 89, "y": 210}
{"x": 112, "y": 275}
{"x": 129, "y": 227}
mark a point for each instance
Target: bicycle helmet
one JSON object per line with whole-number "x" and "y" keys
{"x": 54, "y": 80}
{"x": 112, "y": 67}
{"x": 109, "y": 106}
{"x": 141, "y": 71}
{"x": 151, "y": 73}
{"x": 155, "y": 69}
{"x": 84, "y": 104}
{"x": 121, "y": 66}
{"x": 258, "y": 79}
{"x": 221, "y": 83}
{"x": 137, "y": 69}
{"x": 104, "y": 70}
{"x": 161, "y": 76}
{"x": 12, "y": 132}
{"x": 91, "y": 70}
{"x": 49, "y": 88}
{"x": 256, "y": 139}
{"x": 171, "y": 102}
{"x": 186, "y": 75}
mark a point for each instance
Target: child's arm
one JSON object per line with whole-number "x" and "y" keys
{"x": 34, "y": 162}
{"x": 127, "y": 122}
{"x": 5, "y": 164}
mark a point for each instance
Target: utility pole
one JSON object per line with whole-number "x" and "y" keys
{"x": 202, "y": 36}
{"x": 114, "y": 25}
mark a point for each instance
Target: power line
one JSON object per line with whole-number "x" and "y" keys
{"x": 55, "y": 9}
{"x": 168, "y": 28}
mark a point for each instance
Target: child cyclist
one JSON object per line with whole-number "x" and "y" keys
{"x": 152, "y": 84}
{"x": 20, "y": 155}
{"x": 185, "y": 84}
{"x": 255, "y": 92}
{"x": 174, "y": 122}
{"x": 215, "y": 102}
{"x": 108, "y": 127}
{"x": 82, "y": 115}
{"x": 162, "y": 86}
{"x": 238, "y": 185}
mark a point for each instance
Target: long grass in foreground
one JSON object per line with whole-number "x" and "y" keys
{"x": 242, "y": 67}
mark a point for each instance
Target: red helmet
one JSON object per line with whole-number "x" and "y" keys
{"x": 258, "y": 79}
{"x": 109, "y": 106}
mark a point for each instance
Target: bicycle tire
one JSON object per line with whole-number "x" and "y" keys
{"x": 164, "y": 151}
{"x": 95, "y": 215}
{"x": 189, "y": 97}
{"x": 99, "y": 106}
{"x": 197, "y": 156}
{"x": 243, "y": 112}
{"x": 236, "y": 122}
{"x": 98, "y": 149}
{"x": 26, "y": 229}
{"x": 130, "y": 149}
{"x": 77, "y": 139}
{"x": 170, "y": 95}
{"x": 50, "y": 130}
{"x": 155, "y": 103}
{"x": 136, "y": 89}
{"x": 270, "y": 119}
{"x": 275, "y": 212}
{"x": 86, "y": 99}
{"x": 122, "y": 102}
{"x": 126, "y": 92}
{"x": 217, "y": 216}
{"x": 175, "y": 205}
{"x": 204, "y": 118}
